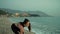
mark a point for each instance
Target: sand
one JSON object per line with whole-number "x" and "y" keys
{"x": 5, "y": 26}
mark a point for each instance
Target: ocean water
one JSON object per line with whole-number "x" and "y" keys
{"x": 41, "y": 25}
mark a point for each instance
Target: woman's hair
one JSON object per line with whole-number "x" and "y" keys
{"x": 25, "y": 21}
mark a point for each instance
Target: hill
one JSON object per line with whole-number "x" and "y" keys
{"x": 31, "y": 13}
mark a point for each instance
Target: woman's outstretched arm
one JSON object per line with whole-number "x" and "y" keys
{"x": 21, "y": 29}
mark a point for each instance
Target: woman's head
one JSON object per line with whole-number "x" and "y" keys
{"x": 26, "y": 22}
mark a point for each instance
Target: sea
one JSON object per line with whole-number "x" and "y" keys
{"x": 41, "y": 25}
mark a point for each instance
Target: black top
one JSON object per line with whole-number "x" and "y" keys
{"x": 29, "y": 27}
{"x": 22, "y": 24}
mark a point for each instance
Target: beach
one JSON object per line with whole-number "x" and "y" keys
{"x": 5, "y": 26}
{"x": 40, "y": 25}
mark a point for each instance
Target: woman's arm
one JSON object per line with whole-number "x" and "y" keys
{"x": 21, "y": 29}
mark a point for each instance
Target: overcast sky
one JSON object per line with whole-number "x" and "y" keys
{"x": 50, "y": 7}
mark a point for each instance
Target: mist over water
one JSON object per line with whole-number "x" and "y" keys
{"x": 50, "y": 7}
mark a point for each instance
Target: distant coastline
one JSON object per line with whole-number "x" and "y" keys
{"x": 17, "y": 13}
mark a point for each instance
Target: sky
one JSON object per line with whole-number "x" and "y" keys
{"x": 50, "y": 7}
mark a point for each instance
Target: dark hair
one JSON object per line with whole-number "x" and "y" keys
{"x": 26, "y": 20}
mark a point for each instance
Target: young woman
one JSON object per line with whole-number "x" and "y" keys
{"x": 19, "y": 27}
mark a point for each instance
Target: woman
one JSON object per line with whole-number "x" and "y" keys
{"x": 19, "y": 27}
